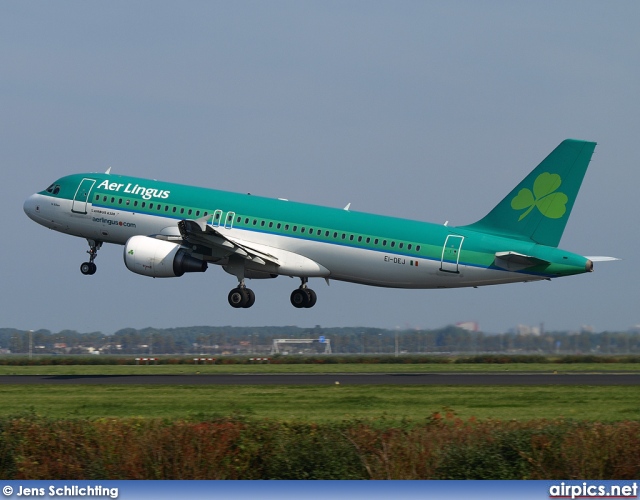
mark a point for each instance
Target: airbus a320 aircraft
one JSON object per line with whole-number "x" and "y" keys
{"x": 170, "y": 229}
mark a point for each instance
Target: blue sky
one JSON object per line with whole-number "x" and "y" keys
{"x": 424, "y": 110}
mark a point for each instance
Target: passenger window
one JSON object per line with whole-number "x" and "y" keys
{"x": 181, "y": 210}
{"x": 368, "y": 240}
{"x": 197, "y": 213}
{"x": 190, "y": 212}
{"x": 279, "y": 225}
{"x": 418, "y": 248}
{"x": 393, "y": 244}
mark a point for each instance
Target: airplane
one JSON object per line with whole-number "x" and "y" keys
{"x": 170, "y": 229}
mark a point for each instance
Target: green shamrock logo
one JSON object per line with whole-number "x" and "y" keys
{"x": 551, "y": 204}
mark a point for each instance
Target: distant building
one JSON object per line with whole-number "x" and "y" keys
{"x": 470, "y": 326}
{"x": 526, "y": 330}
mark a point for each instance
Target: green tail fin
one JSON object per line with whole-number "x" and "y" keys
{"x": 539, "y": 207}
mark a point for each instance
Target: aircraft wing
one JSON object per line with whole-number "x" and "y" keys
{"x": 514, "y": 261}
{"x": 257, "y": 257}
{"x": 198, "y": 232}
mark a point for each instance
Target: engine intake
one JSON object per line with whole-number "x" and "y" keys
{"x": 159, "y": 258}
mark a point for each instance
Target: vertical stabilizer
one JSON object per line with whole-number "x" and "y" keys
{"x": 539, "y": 207}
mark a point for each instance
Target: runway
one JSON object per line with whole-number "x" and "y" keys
{"x": 578, "y": 379}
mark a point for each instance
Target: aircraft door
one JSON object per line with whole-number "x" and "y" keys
{"x": 451, "y": 254}
{"x": 80, "y": 199}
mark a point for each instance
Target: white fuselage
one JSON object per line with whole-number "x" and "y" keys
{"x": 335, "y": 261}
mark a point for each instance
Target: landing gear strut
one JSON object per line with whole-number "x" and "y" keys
{"x": 303, "y": 297}
{"x": 88, "y": 268}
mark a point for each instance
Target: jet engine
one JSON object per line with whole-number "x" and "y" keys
{"x": 159, "y": 258}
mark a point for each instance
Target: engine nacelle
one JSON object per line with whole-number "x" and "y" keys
{"x": 159, "y": 258}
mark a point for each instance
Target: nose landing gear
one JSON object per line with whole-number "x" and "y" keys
{"x": 89, "y": 268}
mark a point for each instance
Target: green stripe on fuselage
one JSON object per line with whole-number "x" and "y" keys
{"x": 414, "y": 239}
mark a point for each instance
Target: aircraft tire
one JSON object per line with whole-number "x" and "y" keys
{"x": 313, "y": 298}
{"x": 88, "y": 268}
{"x": 299, "y": 298}
{"x": 251, "y": 298}
{"x": 238, "y": 297}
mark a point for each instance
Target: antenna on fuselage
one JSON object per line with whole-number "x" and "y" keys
{"x": 108, "y": 171}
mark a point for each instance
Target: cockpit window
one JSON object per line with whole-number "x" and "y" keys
{"x": 53, "y": 189}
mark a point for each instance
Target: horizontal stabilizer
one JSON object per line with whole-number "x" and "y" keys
{"x": 602, "y": 258}
{"x": 514, "y": 261}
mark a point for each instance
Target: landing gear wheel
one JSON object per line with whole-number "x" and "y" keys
{"x": 251, "y": 298}
{"x": 238, "y": 297}
{"x": 313, "y": 298}
{"x": 88, "y": 268}
{"x": 300, "y": 298}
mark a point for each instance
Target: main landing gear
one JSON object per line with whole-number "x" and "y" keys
{"x": 243, "y": 297}
{"x": 88, "y": 268}
{"x": 303, "y": 297}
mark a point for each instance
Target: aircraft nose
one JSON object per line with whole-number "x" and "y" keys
{"x": 31, "y": 206}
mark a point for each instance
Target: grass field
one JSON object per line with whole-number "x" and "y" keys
{"x": 166, "y": 369}
{"x": 323, "y": 403}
